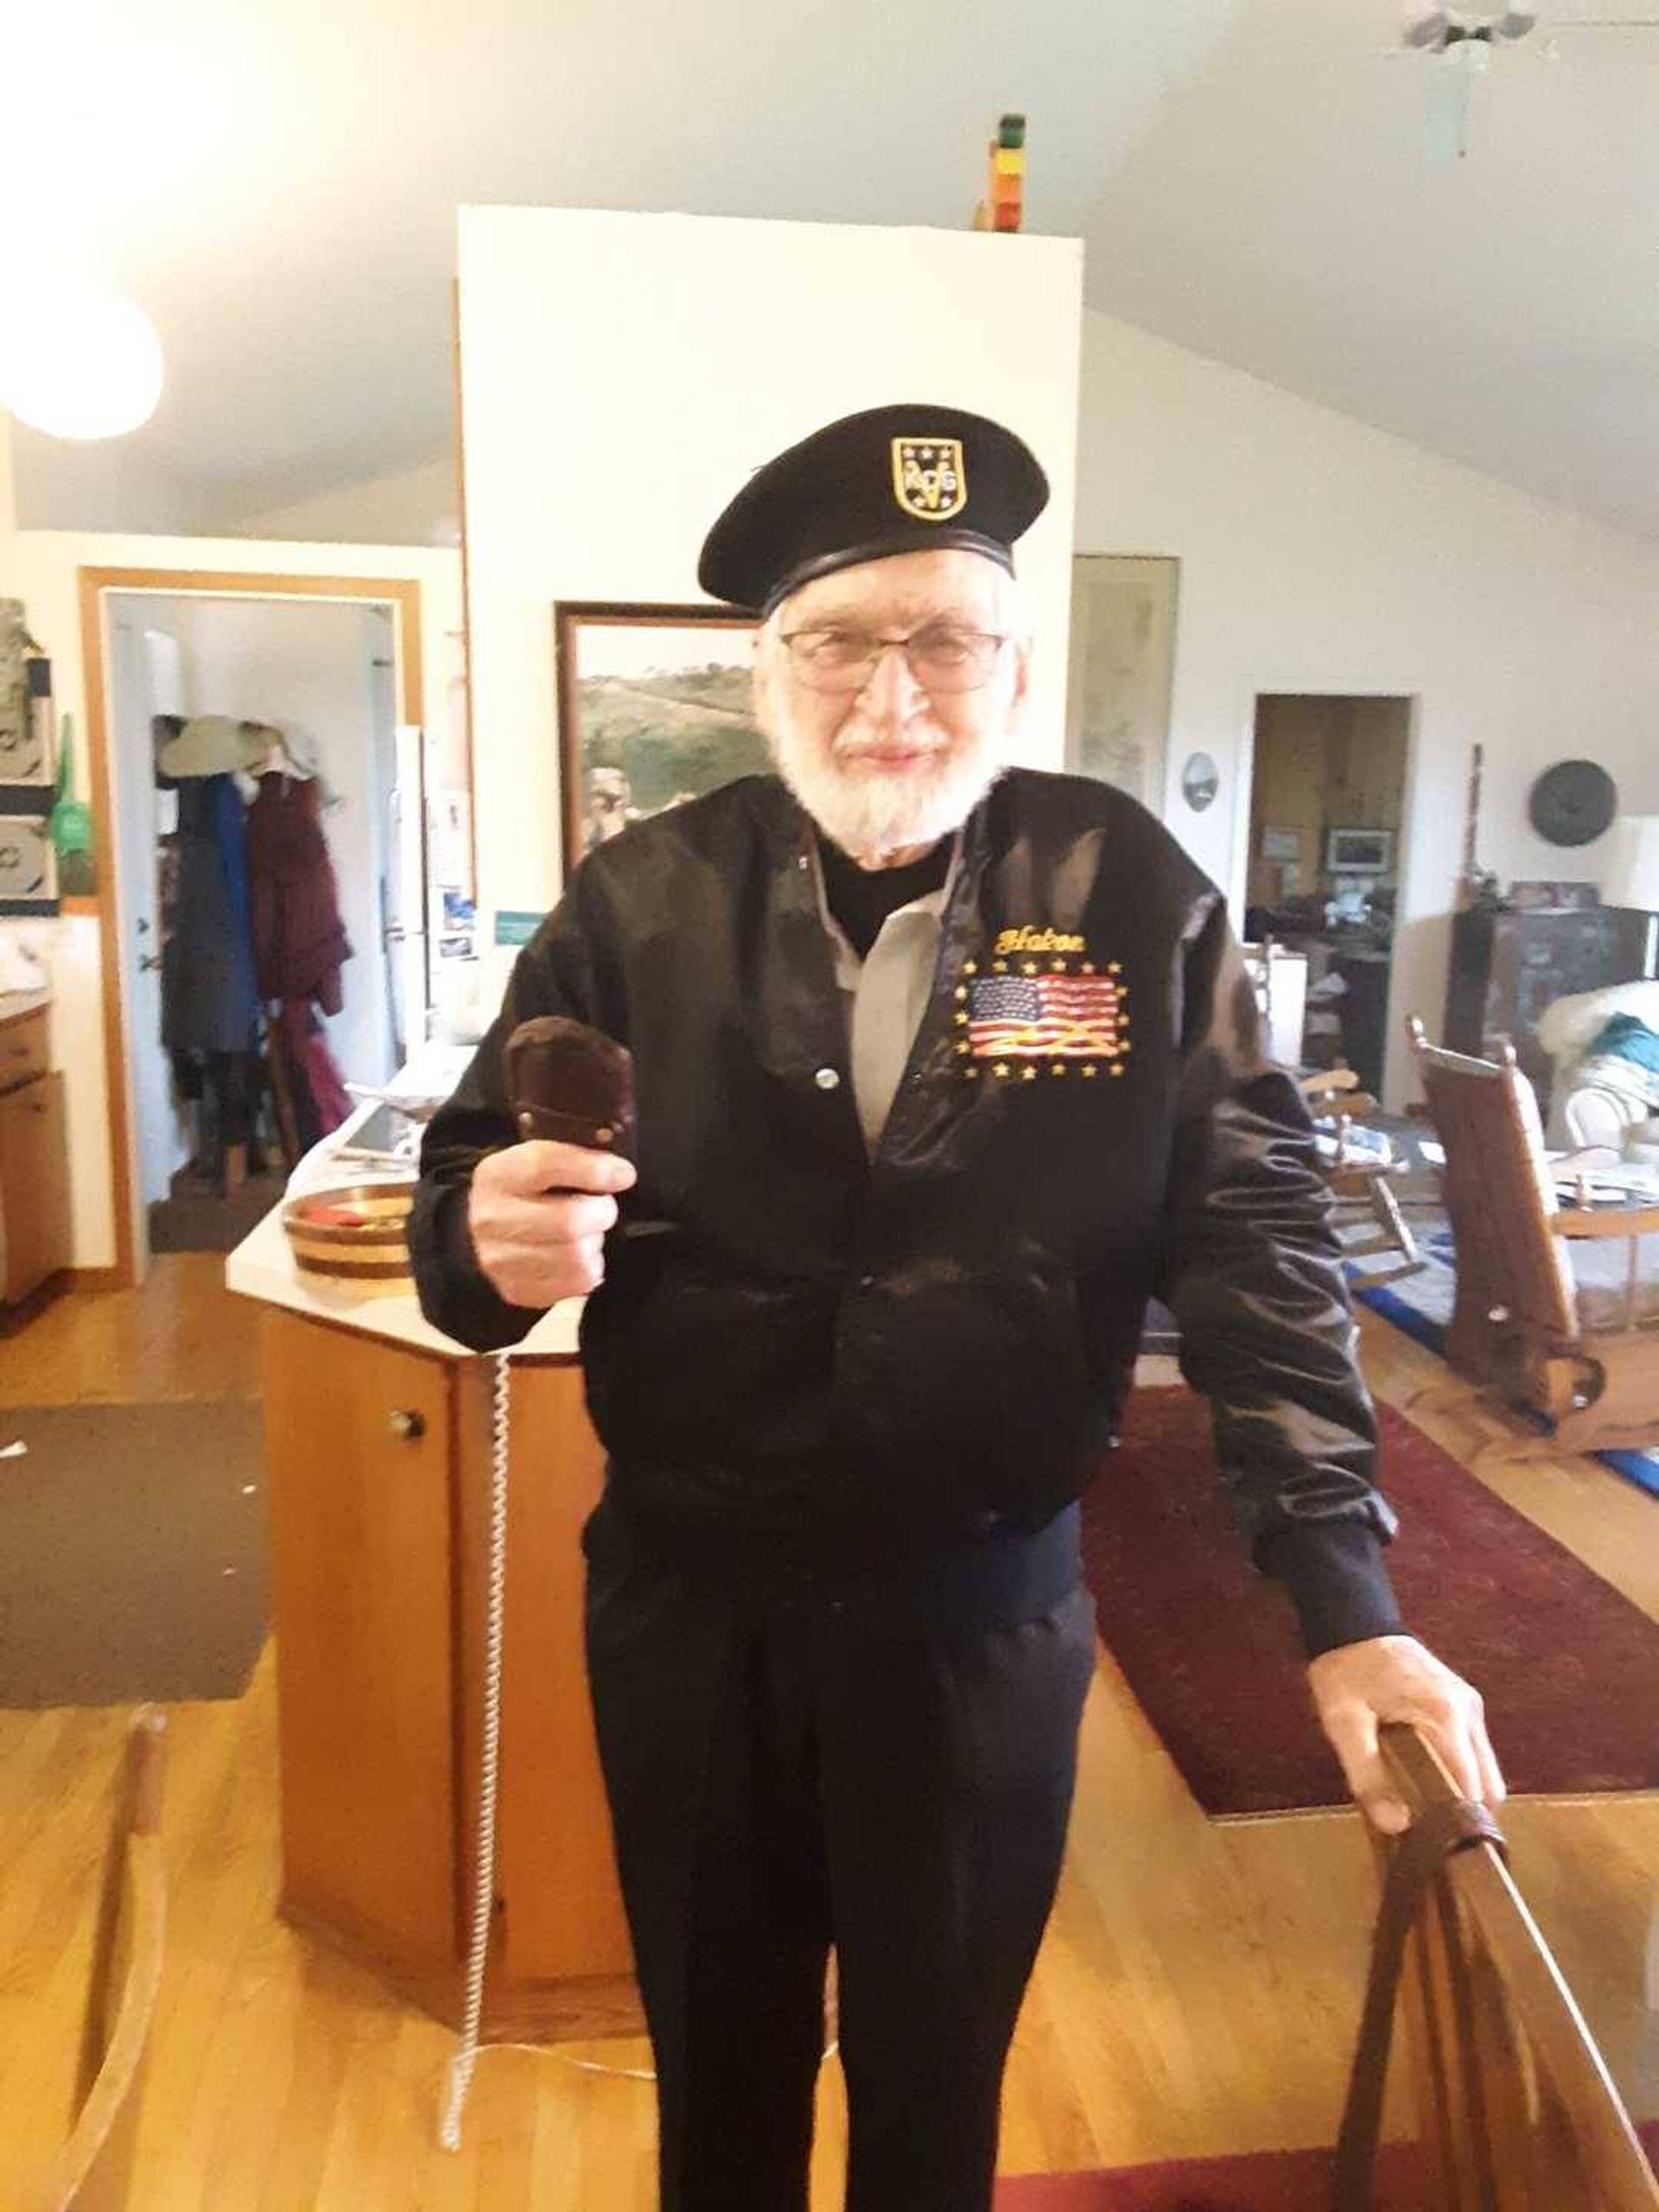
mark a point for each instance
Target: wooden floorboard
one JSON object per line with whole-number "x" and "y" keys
{"x": 1197, "y": 1991}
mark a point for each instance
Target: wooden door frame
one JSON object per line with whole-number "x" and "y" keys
{"x": 401, "y": 595}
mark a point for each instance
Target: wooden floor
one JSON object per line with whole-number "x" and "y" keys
{"x": 1197, "y": 1990}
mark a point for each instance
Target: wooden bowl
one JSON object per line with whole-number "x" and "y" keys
{"x": 354, "y": 1234}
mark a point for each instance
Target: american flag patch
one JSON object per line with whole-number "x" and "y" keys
{"x": 1048, "y": 1017}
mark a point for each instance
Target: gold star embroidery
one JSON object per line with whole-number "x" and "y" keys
{"x": 964, "y": 1046}
{"x": 1088, "y": 966}
{"x": 1117, "y": 1067}
{"x": 1090, "y": 1068}
{"x": 1116, "y": 967}
{"x": 1028, "y": 1075}
{"x": 999, "y": 1068}
{"x": 961, "y": 990}
{"x": 1059, "y": 966}
{"x": 1029, "y": 968}
{"x": 999, "y": 967}
{"x": 971, "y": 1073}
{"x": 970, "y": 967}
{"x": 1059, "y": 1068}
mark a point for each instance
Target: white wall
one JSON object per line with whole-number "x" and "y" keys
{"x": 102, "y": 484}
{"x": 8, "y": 479}
{"x": 43, "y": 568}
{"x": 623, "y": 374}
{"x": 1320, "y": 555}
{"x": 416, "y": 505}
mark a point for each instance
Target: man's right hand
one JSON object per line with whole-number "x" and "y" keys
{"x": 538, "y": 1214}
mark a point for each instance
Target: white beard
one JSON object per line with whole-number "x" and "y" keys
{"x": 870, "y": 813}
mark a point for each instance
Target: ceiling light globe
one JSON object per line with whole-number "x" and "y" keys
{"x": 79, "y": 361}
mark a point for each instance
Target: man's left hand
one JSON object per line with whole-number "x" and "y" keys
{"x": 1359, "y": 1686}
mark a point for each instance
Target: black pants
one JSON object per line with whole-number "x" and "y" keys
{"x": 787, "y": 1775}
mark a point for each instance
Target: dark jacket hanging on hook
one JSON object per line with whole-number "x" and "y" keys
{"x": 299, "y": 941}
{"x": 209, "y": 996}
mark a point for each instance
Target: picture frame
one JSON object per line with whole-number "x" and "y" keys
{"x": 1282, "y": 844}
{"x": 1122, "y": 670}
{"x": 1358, "y": 852}
{"x": 653, "y": 709}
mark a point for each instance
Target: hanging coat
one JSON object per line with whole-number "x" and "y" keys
{"x": 299, "y": 941}
{"x": 208, "y": 995}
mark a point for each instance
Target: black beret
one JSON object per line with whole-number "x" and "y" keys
{"x": 892, "y": 479}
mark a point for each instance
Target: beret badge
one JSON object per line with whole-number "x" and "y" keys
{"x": 929, "y": 478}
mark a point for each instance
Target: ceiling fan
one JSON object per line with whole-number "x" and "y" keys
{"x": 1462, "y": 41}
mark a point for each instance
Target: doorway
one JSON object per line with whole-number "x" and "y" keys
{"x": 257, "y": 757}
{"x": 1327, "y": 802}
{"x": 219, "y": 1125}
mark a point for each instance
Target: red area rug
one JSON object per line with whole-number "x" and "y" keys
{"x": 1209, "y": 1649}
{"x": 1271, "y": 2181}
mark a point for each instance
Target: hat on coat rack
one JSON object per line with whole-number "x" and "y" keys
{"x": 212, "y": 745}
{"x": 289, "y": 754}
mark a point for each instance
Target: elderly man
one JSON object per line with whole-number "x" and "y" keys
{"x": 942, "y": 1069}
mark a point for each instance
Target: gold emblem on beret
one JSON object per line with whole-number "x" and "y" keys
{"x": 929, "y": 481}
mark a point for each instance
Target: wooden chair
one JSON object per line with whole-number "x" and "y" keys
{"x": 1359, "y": 1181}
{"x": 93, "y": 2171}
{"x": 1583, "y": 1354}
{"x": 1517, "y": 2111}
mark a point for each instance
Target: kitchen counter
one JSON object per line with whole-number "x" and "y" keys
{"x": 263, "y": 1266}
{"x": 380, "y": 1459}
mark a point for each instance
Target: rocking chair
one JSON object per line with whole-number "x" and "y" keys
{"x": 1540, "y": 1317}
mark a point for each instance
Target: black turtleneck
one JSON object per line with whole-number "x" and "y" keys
{"x": 861, "y": 898}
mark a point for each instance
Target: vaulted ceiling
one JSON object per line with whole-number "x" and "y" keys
{"x": 278, "y": 183}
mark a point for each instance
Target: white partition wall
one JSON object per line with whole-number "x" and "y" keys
{"x": 621, "y": 376}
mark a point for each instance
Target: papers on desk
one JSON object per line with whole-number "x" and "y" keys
{"x": 1608, "y": 1186}
{"x": 1615, "y": 1184}
{"x": 1360, "y": 1146}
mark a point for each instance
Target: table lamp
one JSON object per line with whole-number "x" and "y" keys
{"x": 1633, "y": 878}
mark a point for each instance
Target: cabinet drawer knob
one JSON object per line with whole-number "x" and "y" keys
{"x": 408, "y": 1425}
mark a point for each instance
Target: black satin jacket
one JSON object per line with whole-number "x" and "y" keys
{"x": 797, "y": 1347}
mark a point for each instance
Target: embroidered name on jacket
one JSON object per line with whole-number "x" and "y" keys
{"x": 1050, "y": 1019}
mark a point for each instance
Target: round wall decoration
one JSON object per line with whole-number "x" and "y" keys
{"x": 1200, "y": 780}
{"x": 1573, "y": 802}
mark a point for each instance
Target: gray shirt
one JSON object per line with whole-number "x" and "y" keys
{"x": 885, "y": 995}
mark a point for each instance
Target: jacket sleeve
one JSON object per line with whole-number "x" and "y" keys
{"x": 553, "y": 975}
{"x": 1252, "y": 1272}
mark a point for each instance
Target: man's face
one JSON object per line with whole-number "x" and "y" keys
{"x": 897, "y": 763}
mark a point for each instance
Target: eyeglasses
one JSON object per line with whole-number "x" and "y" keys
{"x": 942, "y": 657}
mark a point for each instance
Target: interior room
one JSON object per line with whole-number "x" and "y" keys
{"x": 1279, "y": 1071}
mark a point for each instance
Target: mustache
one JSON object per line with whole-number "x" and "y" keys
{"x": 861, "y": 749}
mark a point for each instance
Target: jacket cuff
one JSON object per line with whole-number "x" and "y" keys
{"x": 1334, "y": 1573}
{"x": 456, "y": 1295}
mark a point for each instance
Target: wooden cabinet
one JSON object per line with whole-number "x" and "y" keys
{"x": 1509, "y": 964}
{"x": 378, "y": 1470}
{"x": 34, "y": 1160}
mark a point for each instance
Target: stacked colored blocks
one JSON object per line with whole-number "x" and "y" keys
{"x": 1008, "y": 174}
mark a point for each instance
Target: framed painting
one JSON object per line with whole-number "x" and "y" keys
{"x": 654, "y": 708}
{"x": 1122, "y": 670}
